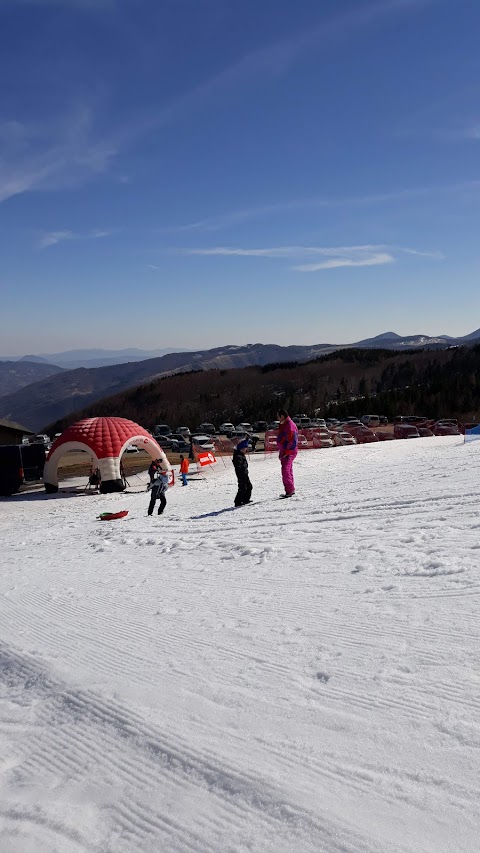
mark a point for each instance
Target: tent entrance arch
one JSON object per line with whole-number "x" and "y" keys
{"x": 105, "y": 439}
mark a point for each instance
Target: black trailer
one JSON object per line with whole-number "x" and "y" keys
{"x": 19, "y": 464}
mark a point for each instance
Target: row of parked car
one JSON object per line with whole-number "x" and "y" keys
{"x": 178, "y": 441}
{"x": 403, "y": 427}
{"x": 329, "y": 432}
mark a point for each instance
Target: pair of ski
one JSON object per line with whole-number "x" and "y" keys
{"x": 255, "y": 503}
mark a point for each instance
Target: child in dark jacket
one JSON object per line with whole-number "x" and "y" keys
{"x": 240, "y": 463}
{"x": 153, "y": 468}
{"x": 158, "y": 490}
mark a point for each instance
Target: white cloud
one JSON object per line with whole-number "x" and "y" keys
{"x": 54, "y": 237}
{"x": 372, "y": 261}
{"x": 367, "y": 255}
{"x": 277, "y": 252}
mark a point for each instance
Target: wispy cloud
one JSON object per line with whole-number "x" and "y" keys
{"x": 234, "y": 217}
{"x": 471, "y": 132}
{"x": 374, "y": 260}
{"x": 53, "y": 237}
{"x": 67, "y": 152}
{"x": 81, "y": 4}
{"x": 318, "y": 257}
{"x": 57, "y": 154}
{"x": 276, "y": 59}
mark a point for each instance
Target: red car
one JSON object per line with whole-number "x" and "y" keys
{"x": 363, "y": 434}
{"x": 405, "y": 431}
{"x": 385, "y": 436}
{"x": 445, "y": 428}
{"x": 424, "y": 432}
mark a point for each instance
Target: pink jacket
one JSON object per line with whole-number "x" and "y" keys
{"x": 287, "y": 438}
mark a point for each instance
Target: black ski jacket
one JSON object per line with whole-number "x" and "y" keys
{"x": 240, "y": 463}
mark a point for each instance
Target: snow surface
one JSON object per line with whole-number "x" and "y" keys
{"x": 294, "y": 676}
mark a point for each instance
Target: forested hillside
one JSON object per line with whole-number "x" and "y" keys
{"x": 353, "y": 381}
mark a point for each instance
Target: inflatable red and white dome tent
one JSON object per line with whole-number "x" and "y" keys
{"x": 105, "y": 440}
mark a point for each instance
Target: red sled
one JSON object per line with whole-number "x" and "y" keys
{"x": 110, "y": 516}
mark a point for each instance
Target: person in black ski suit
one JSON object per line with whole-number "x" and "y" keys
{"x": 158, "y": 490}
{"x": 240, "y": 463}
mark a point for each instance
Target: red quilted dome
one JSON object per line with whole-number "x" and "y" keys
{"x": 104, "y": 436}
{"x": 106, "y": 439}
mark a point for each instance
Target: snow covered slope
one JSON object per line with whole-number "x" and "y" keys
{"x": 293, "y": 676}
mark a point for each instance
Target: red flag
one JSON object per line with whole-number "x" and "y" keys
{"x": 204, "y": 459}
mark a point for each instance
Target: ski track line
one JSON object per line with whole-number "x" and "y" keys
{"x": 106, "y": 664}
{"x": 361, "y": 699}
{"x": 246, "y": 792}
{"x": 54, "y": 829}
{"x": 363, "y": 778}
{"x": 226, "y": 650}
{"x": 414, "y": 709}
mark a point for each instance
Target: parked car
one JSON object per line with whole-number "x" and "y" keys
{"x": 244, "y": 427}
{"x": 206, "y": 429}
{"x": 351, "y": 422}
{"x": 40, "y": 439}
{"x": 366, "y": 436}
{"x": 161, "y": 429}
{"x": 271, "y": 442}
{"x": 164, "y": 441}
{"x": 302, "y": 422}
{"x": 274, "y": 425}
{"x": 203, "y": 441}
{"x": 404, "y": 430}
{"x": 352, "y": 426}
{"x": 227, "y": 428}
{"x": 179, "y": 443}
{"x": 342, "y": 438}
{"x": 260, "y": 426}
{"x": 385, "y": 436}
{"x": 383, "y": 420}
{"x": 370, "y": 420}
{"x": 445, "y": 428}
{"x": 410, "y": 419}
{"x": 322, "y": 438}
{"x": 183, "y": 430}
{"x": 424, "y": 432}
{"x": 302, "y": 441}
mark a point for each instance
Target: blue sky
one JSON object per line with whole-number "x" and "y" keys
{"x": 198, "y": 172}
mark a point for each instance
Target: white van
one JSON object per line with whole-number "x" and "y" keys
{"x": 302, "y": 421}
{"x": 370, "y": 420}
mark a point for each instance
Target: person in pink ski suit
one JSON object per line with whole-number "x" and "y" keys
{"x": 287, "y": 443}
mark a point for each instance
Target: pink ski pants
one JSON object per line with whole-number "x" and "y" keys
{"x": 287, "y": 473}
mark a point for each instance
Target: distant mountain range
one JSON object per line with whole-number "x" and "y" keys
{"x": 67, "y": 391}
{"x": 71, "y": 359}
{"x": 16, "y": 374}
